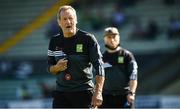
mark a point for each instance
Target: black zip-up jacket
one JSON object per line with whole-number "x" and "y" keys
{"x": 83, "y": 53}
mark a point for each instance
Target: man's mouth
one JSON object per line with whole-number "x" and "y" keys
{"x": 68, "y": 27}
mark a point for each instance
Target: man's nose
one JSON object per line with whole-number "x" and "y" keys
{"x": 68, "y": 21}
{"x": 111, "y": 39}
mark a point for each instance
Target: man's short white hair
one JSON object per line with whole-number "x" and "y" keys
{"x": 64, "y": 8}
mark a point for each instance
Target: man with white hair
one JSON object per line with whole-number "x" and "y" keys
{"x": 71, "y": 56}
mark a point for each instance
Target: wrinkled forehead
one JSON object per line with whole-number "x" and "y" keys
{"x": 66, "y": 10}
{"x": 69, "y": 12}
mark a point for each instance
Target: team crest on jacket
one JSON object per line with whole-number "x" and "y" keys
{"x": 121, "y": 59}
{"x": 79, "y": 47}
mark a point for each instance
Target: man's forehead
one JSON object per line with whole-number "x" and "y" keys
{"x": 68, "y": 11}
{"x": 111, "y": 35}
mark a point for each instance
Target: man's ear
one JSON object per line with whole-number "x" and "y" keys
{"x": 76, "y": 22}
{"x": 105, "y": 40}
{"x": 58, "y": 21}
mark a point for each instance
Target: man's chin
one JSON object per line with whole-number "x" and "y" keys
{"x": 110, "y": 47}
{"x": 69, "y": 31}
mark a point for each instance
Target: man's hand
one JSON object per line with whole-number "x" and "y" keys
{"x": 60, "y": 66}
{"x": 130, "y": 98}
{"x": 97, "y": 99}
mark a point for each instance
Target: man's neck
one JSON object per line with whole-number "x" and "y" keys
{"x": 112, "y": 51}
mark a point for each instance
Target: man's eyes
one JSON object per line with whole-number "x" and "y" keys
{"x": 68, "y": 18}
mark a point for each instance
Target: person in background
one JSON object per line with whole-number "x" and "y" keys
{"x": 174, "y": 27}
{"x": 23, "y": 92}
{"x": 152, "y": 30}
{"x": 52, "y": 29}
{"x": 138, "y": 32}
{"x": 71, "y": 58}
{"x": 120, "y": 72}
{"x": 45, "y": 89}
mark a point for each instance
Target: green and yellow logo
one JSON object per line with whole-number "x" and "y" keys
{"x": 79, "y": 48}
{"x": 121, "y": 59}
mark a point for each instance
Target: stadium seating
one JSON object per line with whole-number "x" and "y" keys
{"x": 16, "y": 14}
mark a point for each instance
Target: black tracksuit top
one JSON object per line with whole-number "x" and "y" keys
{"x": 83, "y": 53}
{"x": 121, "y": 67}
